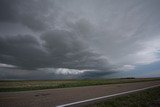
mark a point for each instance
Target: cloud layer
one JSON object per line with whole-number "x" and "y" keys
{"x": 84, "y": 38}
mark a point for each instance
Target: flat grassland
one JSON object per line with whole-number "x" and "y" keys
{"x": 26, "y": 85}
{"x": 146, "y": 98}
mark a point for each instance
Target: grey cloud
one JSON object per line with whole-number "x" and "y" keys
{"x": 32, "y": 13}
{"x": 22, "y": 50}
{"x": 57, "y": 49}
{"x": 100, "y": 35}
{"x": 95, "y": 74}
{"x": 7, "y": 11}
{"x": 13, "y": 74}
{"x": 67, "y": 51}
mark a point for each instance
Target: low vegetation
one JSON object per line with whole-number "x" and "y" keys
{"x": 25, "y": 85}
{"x": 147, "y": 98}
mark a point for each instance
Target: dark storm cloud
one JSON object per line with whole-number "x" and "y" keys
{"x": 7, "y": 73}
{"x": 59, "y": 49}
{"x": 31, "y": 13}
{"x": 54, "y": 48}
{"x": 12, "y": 74}
{"x": 94, "y": 74}
{"x": 6, "y": 11}
{"x": 102, "y": 36}
{"x": 67, "y": 51}
{"x": 23, "y": 51}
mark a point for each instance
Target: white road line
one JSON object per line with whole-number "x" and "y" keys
{"x": 93, "y": 99}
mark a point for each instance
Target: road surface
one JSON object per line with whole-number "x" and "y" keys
{"x": 64, "y": 96}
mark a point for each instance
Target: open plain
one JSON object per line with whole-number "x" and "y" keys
{"x": 56, "y": 97}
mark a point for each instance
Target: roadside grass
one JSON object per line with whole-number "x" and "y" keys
{"x": 26, "y": 85}
{"x": 146, "y": 98}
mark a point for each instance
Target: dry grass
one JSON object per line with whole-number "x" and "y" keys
{"x": 25, "y": 85}
{"x": 147, "y": 98}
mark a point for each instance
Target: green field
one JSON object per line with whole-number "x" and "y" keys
{"x": 147, "y": 98}
{"x": 25, "y": 85}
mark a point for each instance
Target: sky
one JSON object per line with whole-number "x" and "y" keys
{"x": 76, "y": 39}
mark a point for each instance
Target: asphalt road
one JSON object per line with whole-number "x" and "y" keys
{"x": 55, "y": 97}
